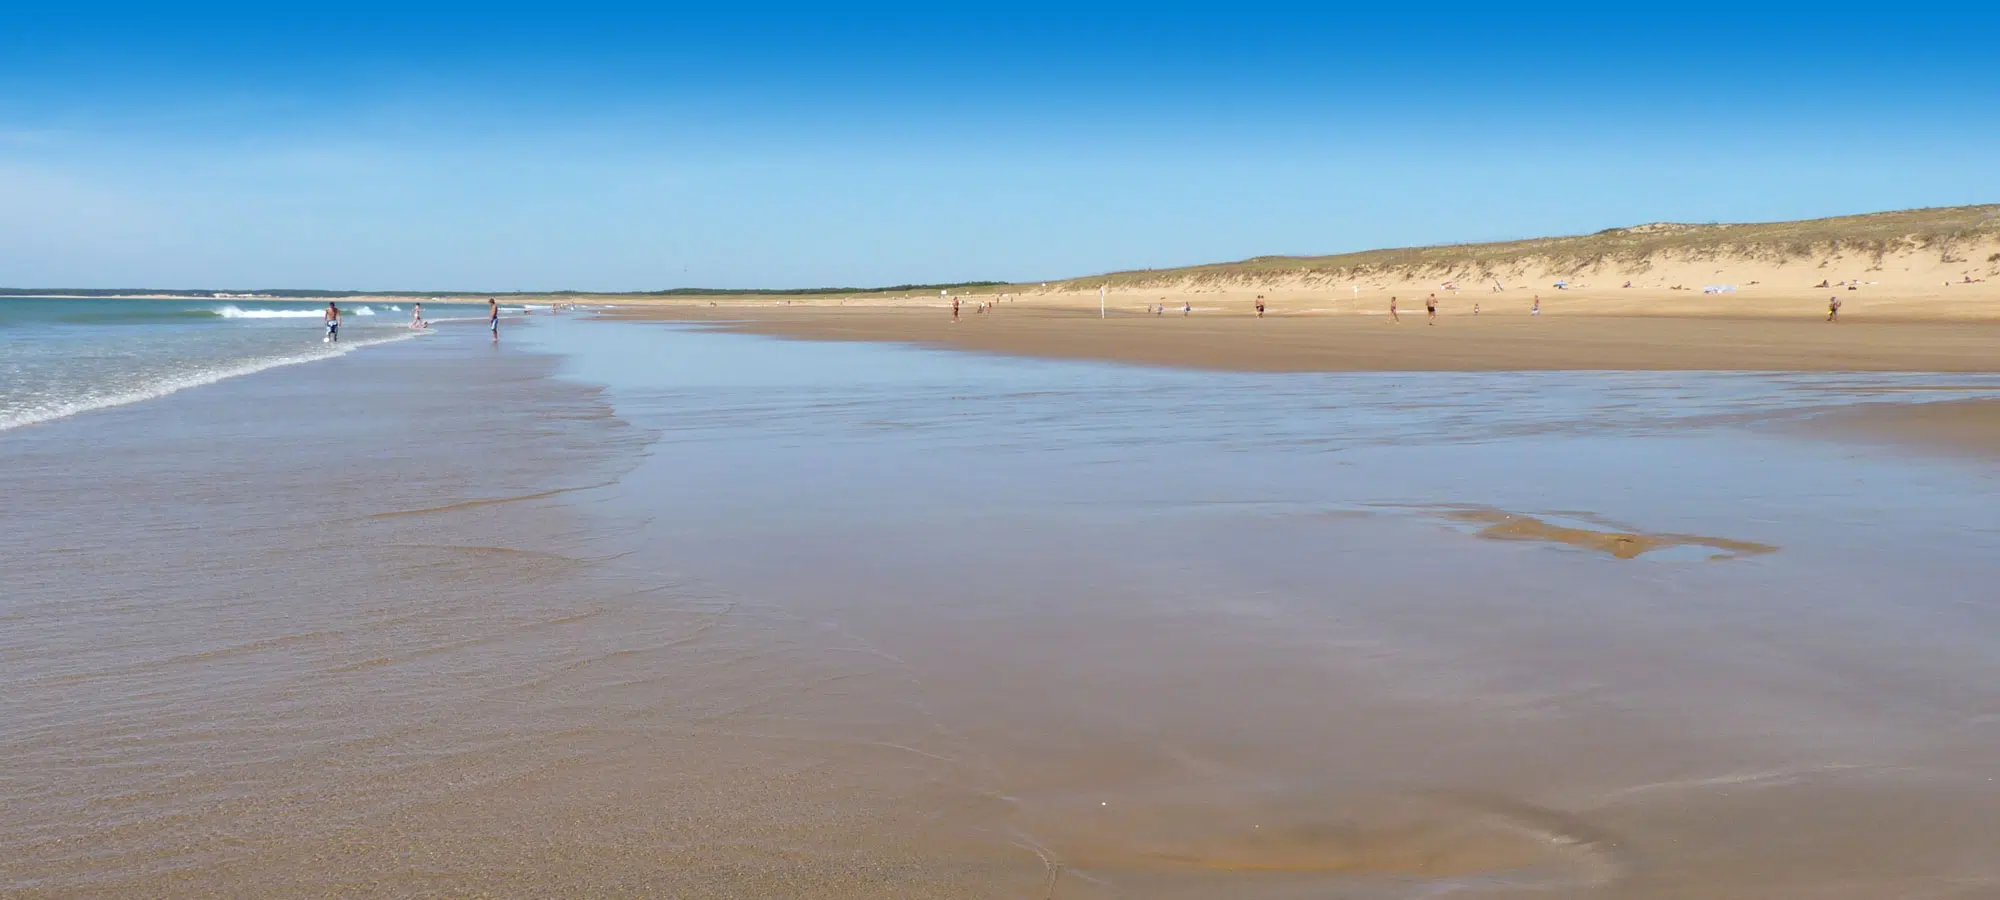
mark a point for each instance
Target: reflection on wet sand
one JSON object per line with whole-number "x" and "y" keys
{"x": 1066, "y": 632}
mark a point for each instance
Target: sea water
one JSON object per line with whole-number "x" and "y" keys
{"x": 62, "y": 356}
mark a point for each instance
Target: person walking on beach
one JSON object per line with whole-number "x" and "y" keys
{"x": 1260, "y": 306}
{"x": 493, "y": 317}
{"x": 1536, "y": 309}
{"x": 417, "y": 317}
{"x": 954, "y": 309}
{"x": 332, "y": 324}
{"x": 1833, "y": 308}
{"x": 1431, "y": 309}
{"x": 1393, "y": 318}
{"x": 1186, "y": 308}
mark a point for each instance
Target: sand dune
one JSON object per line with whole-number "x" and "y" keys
{"x": 1930, "y": 264}
{"x": 1946, "y": 253}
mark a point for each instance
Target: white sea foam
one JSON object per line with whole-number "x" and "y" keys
{"x": 232, "y": 311}
{"x": 54, "y": 408}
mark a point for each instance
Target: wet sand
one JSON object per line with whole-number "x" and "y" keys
{"x": 1238, "y": 342}
{"x": 1969, "y": 427}
{"x": 710, "y": 615}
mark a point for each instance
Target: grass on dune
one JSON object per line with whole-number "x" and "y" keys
{"x": 1944, "y": 229}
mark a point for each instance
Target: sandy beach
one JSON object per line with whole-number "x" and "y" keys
{"x": 623, "y": 608}
{"x": 464, "y": 452}
{"x": 1232, "y": 340}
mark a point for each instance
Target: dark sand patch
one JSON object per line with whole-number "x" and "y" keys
{"x": 1500, "y": 525}
{"x": 1410, "y": 839}
{"x": 1970, "y": 427}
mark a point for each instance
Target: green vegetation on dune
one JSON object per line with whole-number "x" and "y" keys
{"x": 1876, "y": 234}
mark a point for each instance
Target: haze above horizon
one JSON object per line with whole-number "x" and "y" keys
{"x": 611, "y": 149}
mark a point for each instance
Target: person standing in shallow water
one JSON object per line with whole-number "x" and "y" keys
{"x": 332, "y": 323}
{"x": 493, "y": 317}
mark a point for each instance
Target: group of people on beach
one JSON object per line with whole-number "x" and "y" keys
{"x": 417, "y": 320}
{"x": 1430, "y": 309}
{"x": 983, "y": 306}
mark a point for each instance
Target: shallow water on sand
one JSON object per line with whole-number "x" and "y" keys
{"x": 755, "y": 618}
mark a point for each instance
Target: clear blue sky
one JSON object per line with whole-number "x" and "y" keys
{"x": 509, "y": 146}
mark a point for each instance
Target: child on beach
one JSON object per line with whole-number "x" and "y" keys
{"x": 1186, "y": 308}
{"x": 1536, "y": 309}
{"x": 417, "y": 317}
{"x": 1393, "y": 318}
{"x": 1260, "y": 306}
{"x": 1833, "y": 308}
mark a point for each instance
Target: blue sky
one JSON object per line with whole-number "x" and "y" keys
{"x": 539, "y": 147}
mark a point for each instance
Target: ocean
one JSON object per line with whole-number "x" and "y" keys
{"x": 61, "y": 356}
